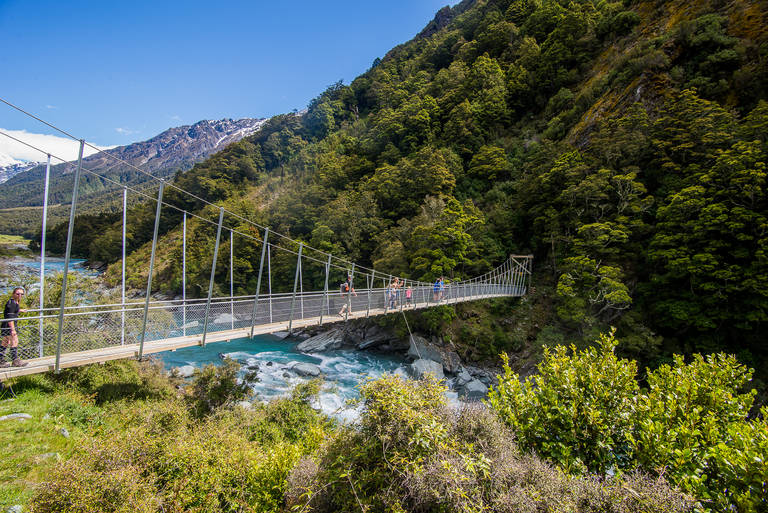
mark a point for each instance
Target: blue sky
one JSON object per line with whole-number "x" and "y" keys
{"x": 116, "y": 72}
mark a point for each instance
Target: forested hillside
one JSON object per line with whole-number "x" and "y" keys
{"x": 622, "y": 143}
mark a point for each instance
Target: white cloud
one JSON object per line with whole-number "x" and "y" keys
{"x": 60, "y": 147}
{"x": 175, "y": 117}
{"x": 125, "y": 131}
{"x": 51, "y": 107}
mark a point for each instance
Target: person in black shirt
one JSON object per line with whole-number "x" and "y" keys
{"x": 8, "y": 329}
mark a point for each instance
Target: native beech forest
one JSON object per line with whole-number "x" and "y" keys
{"x": 623, "y": 144}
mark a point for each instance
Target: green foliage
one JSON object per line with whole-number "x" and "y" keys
{"x": 692, "y": 421}
{"x": 215, "y": 386}
{"x": 575, "y": 411}
{"x": 77, "y": 489}
{"x": 158, "y": 455}
{"x": 118, "y": 380}
{"x": 586, "y": 411}
{"x": 410, "y": 453}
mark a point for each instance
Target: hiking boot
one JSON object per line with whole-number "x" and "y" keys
{"x": 4, "y": 364}
{"x": 18, "y": 363}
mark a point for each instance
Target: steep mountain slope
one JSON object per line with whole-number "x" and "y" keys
{"x": 176, "y": 149}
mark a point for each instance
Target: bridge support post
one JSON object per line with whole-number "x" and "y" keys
{"x": 151, "y": 268}
{"x": 184, "y": 276}
{"x": 325, "y": 290}
{"x": 213, "y": 274}
{"x": 530, "y": 272}
{"x": 269, "y": 280}
{"x": 349, "y": 292}
{"x": 258, "y": 281}
{"x": 295, "y": 286}
{"x": 42, "y": 253}
{"x": 122, "y": 268}
{"x": 67, "y": 254}
{"x": 370, "y": 286}
{"x": 231, "y": 279}
{"x": 301, "y": 289}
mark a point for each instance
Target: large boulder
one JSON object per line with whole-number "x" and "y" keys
{"x": 421, "y": 367}
{"x": 375, "y": 337}
{"x": 333, "y": 339}
{"x": 474, "y": 390}
{"x": 463, "y": 377}
{"x": 306, "y": 369}
{"x": 451, "y": 362}
{"x": 420, "y": 348}
{"x": 185, "y": 371}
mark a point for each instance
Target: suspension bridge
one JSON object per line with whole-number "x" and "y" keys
{"x": 51, "y": 339}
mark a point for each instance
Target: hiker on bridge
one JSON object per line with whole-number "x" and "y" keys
{"x": 8, "y": 329}
{"x": 346, "y": 289}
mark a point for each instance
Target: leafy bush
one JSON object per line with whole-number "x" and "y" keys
{"x": 215, "y": 386}
{"x": 76, "y": 409}
{"x": 693, "y": 422}
{"x": 167, "y": 459}
{"x": 575, "y": 411}
{"x": 412, "y": 453}
{"x": 118, "y": 380}
{"x": 76, "y": 488}
{"x": 691, "y": 425}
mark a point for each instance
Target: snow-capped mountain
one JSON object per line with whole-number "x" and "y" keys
{"x": 10, "y": 167}
{"x": 176, "y": 149}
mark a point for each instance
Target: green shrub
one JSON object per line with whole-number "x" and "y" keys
{"x": 575, "y": 411}
{"x": 76, "y": 409}
{"x": 76, "y": 488}
{"x": 412, "y": 453}
{"x": 215, "y": 386}
{"x": 691, "y": 425}
{"x": 118, "y": 380}
{"x": 292, "y": 419}
{"x": 693, "y": 422}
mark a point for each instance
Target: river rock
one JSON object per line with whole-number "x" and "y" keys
{"x": 306, "y": 369}
{"x": 332, "y": 339}
{"x": 192, "y": 324}
{"x": 420, "y": 348}
{"x": 463, "y": 377}
{"x": 423, "y": 366}
{"x": 224, "y": 318}
{"x": 64, "y": 432}
{"x": 16, "y": 508}
{"x": 475, "y": 389}
{"x": 20, "y": 416}
{"x": 185, "y": 371}
{"x": 374, "y": 337}
{"x": 451, "y": 362}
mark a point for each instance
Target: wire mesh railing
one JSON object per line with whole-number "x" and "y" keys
{"x": 100, "y": 327}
